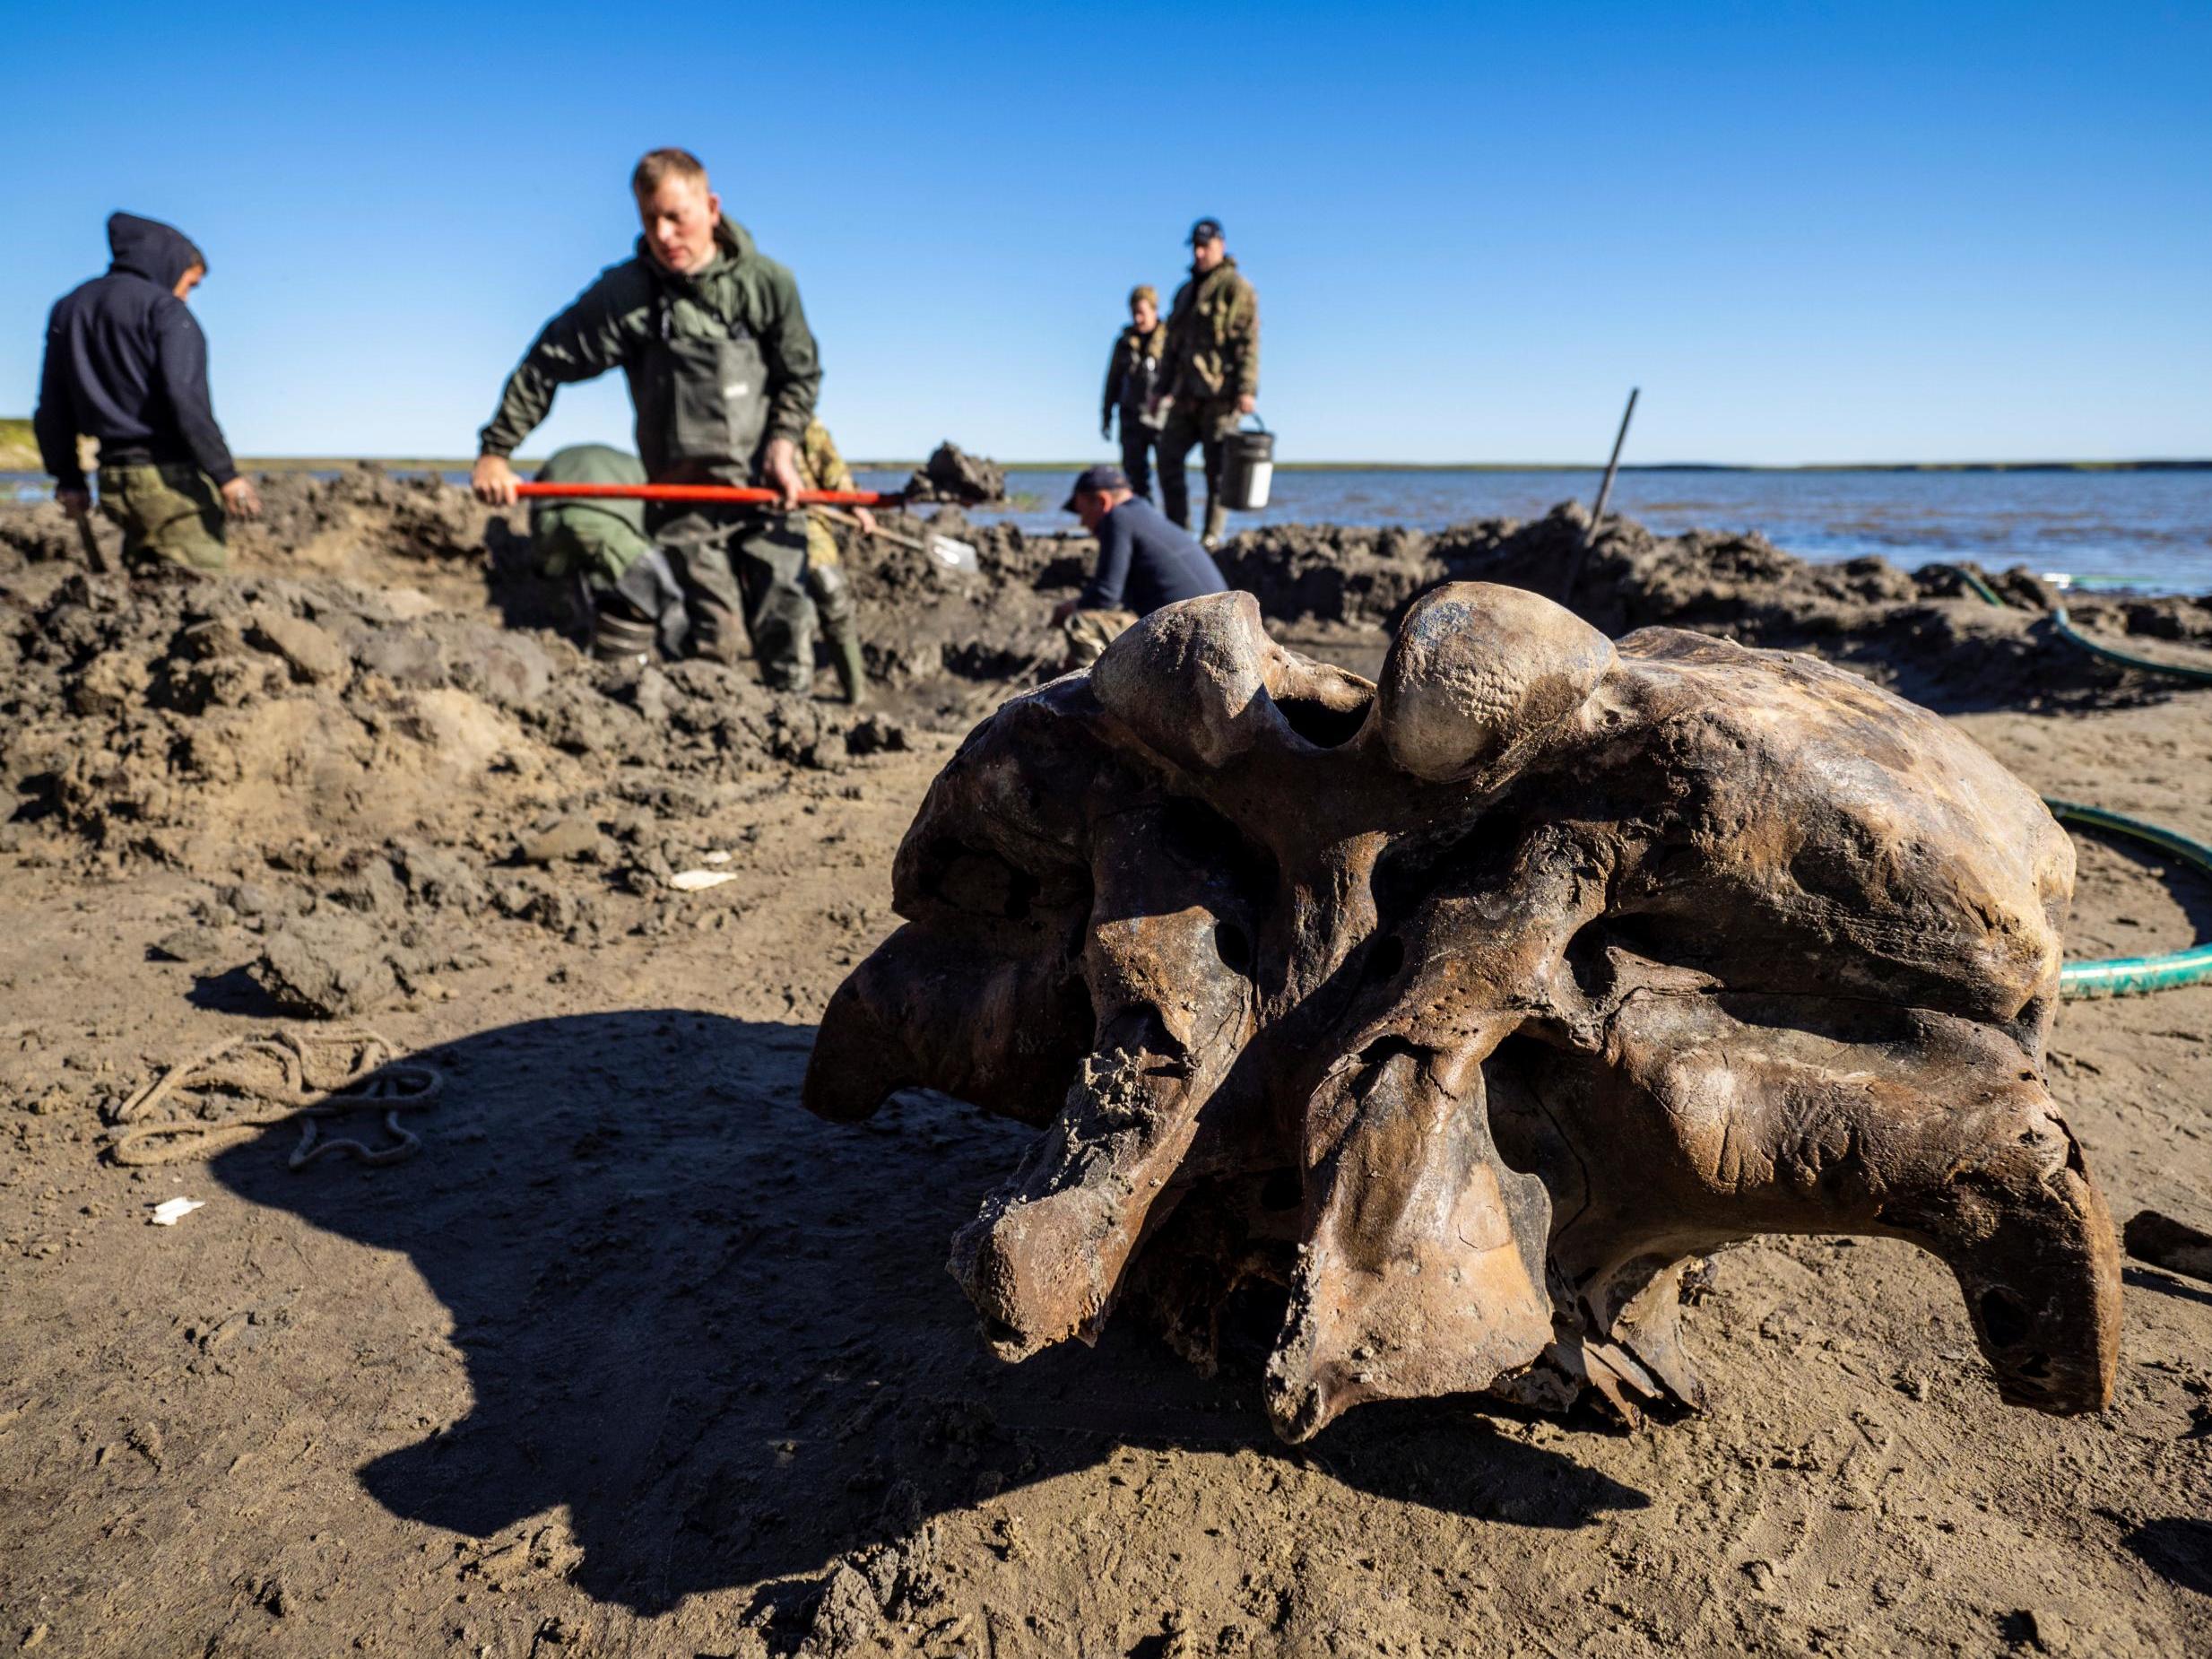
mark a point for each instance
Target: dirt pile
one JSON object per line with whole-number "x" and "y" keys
{"x": 1925, "y": 633}
{"x": 365, "y": 780}
{"x": 378, "y": 710}
{"x": 953, "y": 474}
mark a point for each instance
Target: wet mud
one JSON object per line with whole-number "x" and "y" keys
{"x": 635, "y": 1356}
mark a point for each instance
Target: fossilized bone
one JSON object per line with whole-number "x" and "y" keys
{"x": 1472, "y": 1003}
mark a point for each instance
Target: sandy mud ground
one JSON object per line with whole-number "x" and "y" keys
{"x": 633, "y": 1356}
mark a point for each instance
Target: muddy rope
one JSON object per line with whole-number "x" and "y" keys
{"x": 370, "y": 1082}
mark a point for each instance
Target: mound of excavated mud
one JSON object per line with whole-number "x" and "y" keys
{"x": 359, "y": 778}
{"x": 418, "y": 533}
{"x": 374, "y": 733}
{"x": 1927, "y": 634}
{"x": 953, "y": 474}
{"x": 384, "y": 671}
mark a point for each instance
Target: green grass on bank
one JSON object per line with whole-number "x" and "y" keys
{"x": 19, "y": 450}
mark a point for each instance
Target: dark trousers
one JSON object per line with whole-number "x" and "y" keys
{"x": 1137, "y": 442}
{"x": 744, "y": 572}
{"x": 1207, "y": 425}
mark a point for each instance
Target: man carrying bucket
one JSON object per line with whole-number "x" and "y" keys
{"x": 723, "y": 374}
{"x": 1211, "y": 373}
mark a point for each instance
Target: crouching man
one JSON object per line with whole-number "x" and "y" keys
{"x": 627, "y": 586}
{"x": 1144, "y": 563}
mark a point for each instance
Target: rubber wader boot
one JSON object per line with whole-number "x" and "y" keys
{"x": 852, "y": 667}
{"x": 618, "y": 638}
{"x": 1217, "y": 521}
{"x": 840, "y": 625}
{"x": 718, "y": 633}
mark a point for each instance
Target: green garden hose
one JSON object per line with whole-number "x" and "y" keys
{"x": 2130, "y": 975}
{"x": 2066, "y": 631}
{"x": 2121, "y": 976}
{"x": 2064, "y": 624}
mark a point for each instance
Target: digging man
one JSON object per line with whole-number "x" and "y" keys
{"x": 1144, "y": 563}
{"x": 723, "y": 374}
{"x": 126, "y": 365}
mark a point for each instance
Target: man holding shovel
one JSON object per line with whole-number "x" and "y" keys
{"x": 723, "y": 374}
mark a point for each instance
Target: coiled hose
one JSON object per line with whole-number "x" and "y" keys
{"x": 2064, "y": 625}
{"x": 2121, "y": 976}
{"x": 2131, "y": 976}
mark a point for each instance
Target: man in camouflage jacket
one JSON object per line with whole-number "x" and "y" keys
{"x": 822, "y": 467}
{"x": 1211, "y": 372}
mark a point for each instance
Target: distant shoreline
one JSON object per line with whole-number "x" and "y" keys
{"x": 429, "y": 464}
{"x": 19, "y": 455}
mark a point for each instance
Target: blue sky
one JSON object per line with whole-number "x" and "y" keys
{"x": 1809, "y": 233}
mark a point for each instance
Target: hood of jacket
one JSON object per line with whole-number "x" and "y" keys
{"x": 149, "y": 248}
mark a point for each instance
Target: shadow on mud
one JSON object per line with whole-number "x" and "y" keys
{"x": 721, "y": 1332}
{"x": 2178, "y": 1548}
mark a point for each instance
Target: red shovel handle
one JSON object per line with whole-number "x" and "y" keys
{"x": 711, "y": 492}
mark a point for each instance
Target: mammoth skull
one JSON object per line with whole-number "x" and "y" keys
{"x": 1472, "y": 1003}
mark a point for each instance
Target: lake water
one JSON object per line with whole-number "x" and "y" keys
{"x": 2150, "y": 530}
{"x": 2146, "y": 530}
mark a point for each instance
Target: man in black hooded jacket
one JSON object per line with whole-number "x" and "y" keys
{"x": 127, "y": 364}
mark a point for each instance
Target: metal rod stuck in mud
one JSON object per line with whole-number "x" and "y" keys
{"x": 1605, "y": 494}
{"x": 711, "y": 493}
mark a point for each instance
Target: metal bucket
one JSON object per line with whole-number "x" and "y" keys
{"x": 1247, "y": 469}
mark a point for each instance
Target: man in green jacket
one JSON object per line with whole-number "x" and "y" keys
{"x": 1211, "y": 372}
{"x": 723, "y": 374}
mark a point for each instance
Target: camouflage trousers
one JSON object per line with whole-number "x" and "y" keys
{"x": 832, "y": 594}
{"x": 166, "y": 512}
{"x": 1089, "y": 632}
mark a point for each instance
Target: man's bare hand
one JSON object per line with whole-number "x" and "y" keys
{"x": 76, "y": 503}
{"x": 494, "y": 481}
{"x": 779, "y": 469}
{"x": 240, "y": 499}
{"x": 1247, "y": 404}
{"x": 866, "y": 519}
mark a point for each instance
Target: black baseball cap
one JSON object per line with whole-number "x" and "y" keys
{"x": 1205, "y": 231}
{"x": 1101, "y": 477}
